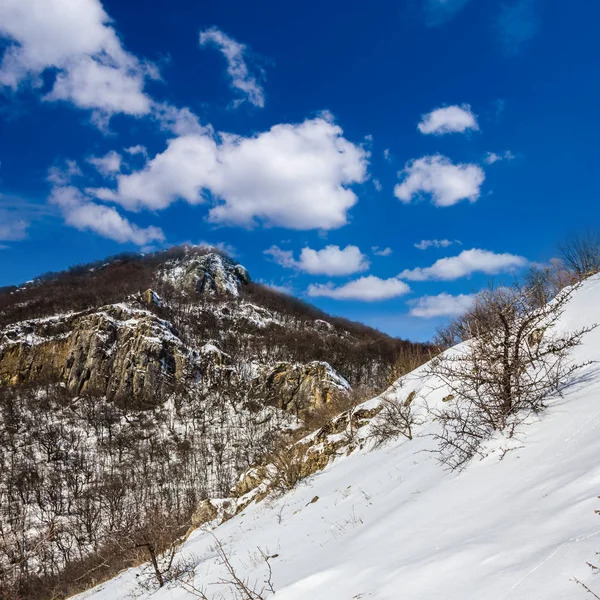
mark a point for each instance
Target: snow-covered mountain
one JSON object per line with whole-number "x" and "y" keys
{"x": 391, "y": 523}
{"x": 143, "y": 384}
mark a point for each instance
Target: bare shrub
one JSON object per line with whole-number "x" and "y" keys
{"x": 543, "y": 283}
{"x": 242, "y": 588}
{"x": 581, "y": 253}
{"x": 159, "y": 537}
{"x": 396, "y": 419}
{"x": 287, "y": 466}
{"x": 512, "y": 362}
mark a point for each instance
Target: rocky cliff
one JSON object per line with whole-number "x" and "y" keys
{"x": 119, "y": 351}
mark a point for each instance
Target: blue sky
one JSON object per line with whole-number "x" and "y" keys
{"x": 383, "y": 160}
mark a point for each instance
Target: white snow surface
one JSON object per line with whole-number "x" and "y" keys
{"x": 392, "y": 524}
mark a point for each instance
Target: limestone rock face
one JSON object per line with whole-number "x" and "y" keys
{"x": 118, "y": 351}
{"x": 300, "y": 387}
{"x": 209, "y": 273}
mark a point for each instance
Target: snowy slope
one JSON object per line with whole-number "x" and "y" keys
{"x": 392, "y": 524}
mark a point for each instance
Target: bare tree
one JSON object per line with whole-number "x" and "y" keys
{"x": 581, "y": 253}
{"x": 512, "y": 362}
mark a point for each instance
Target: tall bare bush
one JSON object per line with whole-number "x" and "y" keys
{"x": 514, "y": 360}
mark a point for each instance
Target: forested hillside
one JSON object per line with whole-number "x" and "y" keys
{"x": 134, "y": 388}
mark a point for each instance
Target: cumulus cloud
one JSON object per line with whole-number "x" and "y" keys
{"x": 369, "y": 289}
{"x": 466, "y": 263}
{"x": 442, "y": 305}
{"x": 12, "y": 229}
{"x": 93, "y": 70}
{"x": 448, "y": 119}
{"x": 294, "y": 176}
{"x": 437, "y": 176}
{"x": 107, "y": 165}
{"x": 381, "y": 251}
{"x": 424, "y": 244}
{"x": 237, "y": 68}
{"x": 331, "y": 260}
{"x": 492, "y": 157}
{"x": 81, "y": 213}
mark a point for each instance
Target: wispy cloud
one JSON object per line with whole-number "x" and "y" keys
{"x": 237, "y": 67}
{"x": 424, "y": 244}
{"x": 107, "y": 165}
{"x": 381, "y": 251}
{"x": 493, "y": 157}
{"x": 11, "y": 228}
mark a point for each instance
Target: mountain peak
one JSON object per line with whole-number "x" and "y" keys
{"x": 205, "y": 272}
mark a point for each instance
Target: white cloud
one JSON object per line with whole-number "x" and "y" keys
{"x": 284, "y": 258}
{"x": 377, "y": 185}
{"x": 65, "y": 174}
{"x": 331, "y": 260}
{"x": 107, "y": 165}
{"x": 381, "y": 251}
{"x": 466, "y": 263}
{"x": 424, "y": 244}
{"x": 369, "y": 289}
{"x": 180, "y": 121}
{"x": 12, "y": 229}
{"x": 442, "y": 305}
{"x": 387, "y": 155}
{"x": 138, "y": 149}
{"x": 294, "y": 176}
{"x": 492, "y": 157}
{"x": 237, "y": 68}
{"x": 444, "y": 181}
{"x": 75, "y": 38}
{"x": 449, "y": 119}
{"x": 82, "y": 214}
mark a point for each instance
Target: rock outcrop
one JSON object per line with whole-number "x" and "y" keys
{"x": 208, "y": 273}
{"x": 296, "y": 388}
{"x": 120, "y": 352}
